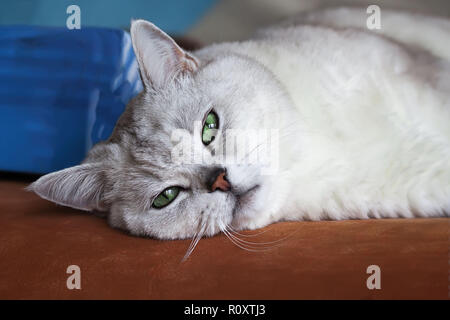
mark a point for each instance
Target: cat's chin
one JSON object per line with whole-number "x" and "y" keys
{"x": 245, "y": 199}
{"x": 246, "y": 206}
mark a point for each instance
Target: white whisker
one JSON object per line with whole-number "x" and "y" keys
{"x": 246, "y": 235}
{"x": 196, "y": 238}
{"x": 237, "y": 243}
{"x": 272, "y": 244}
{"x": 267, "y": 245}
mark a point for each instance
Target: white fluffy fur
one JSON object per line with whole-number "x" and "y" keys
{"x": 375, "y": 131}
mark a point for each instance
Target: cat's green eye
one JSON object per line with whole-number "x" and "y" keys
{"x": 210, "y": 128}
{"x": 165, "y": 197}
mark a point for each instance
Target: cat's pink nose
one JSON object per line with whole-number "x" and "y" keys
{"x": 220, "y": 183}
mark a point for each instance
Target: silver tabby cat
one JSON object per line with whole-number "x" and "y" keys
{"x": 356, "y": 123}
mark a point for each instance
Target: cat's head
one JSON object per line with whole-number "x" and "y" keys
{"x": 187, "y": 100}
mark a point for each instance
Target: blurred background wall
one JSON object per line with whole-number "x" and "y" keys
{"x": 174, "y": 16}
{"x": 205, "y": 20}
{"x": 238, "y": 19}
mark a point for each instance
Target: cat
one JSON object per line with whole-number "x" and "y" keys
{"x": 360, "y": 122}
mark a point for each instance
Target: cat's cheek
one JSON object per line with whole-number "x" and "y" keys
{"x": 115, "y": 218}
{"x": 123, "y": 218}
{"x": 219, "y": 211}
{"x": 250, "y": 210}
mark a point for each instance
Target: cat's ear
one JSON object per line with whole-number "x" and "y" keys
{"x": 160, "y": 58}
{"x": 79, "y": 187}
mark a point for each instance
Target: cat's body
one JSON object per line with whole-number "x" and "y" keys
{"x": 374, "y": 128}
{"x": 363, "y": 123}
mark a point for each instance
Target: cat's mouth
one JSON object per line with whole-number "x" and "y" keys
{"x": 244, "y": 199}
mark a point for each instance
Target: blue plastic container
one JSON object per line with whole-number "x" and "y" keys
{"x": 61, "y": 91}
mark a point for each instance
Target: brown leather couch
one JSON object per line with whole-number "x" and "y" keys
{"x": 317, "y": 260}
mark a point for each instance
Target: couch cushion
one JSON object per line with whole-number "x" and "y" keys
{"x": 317, "y": 260}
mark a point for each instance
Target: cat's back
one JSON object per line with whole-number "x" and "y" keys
{"x": 373, "y": 110}
{"x": 414, "y": 30}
